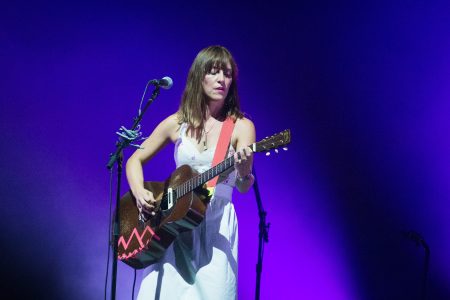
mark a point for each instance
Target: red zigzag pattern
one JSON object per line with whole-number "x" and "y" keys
{"x": 140, "y": 238}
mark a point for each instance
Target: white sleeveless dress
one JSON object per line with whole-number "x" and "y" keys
{"x": 202, "y": 263}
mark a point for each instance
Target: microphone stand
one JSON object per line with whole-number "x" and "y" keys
{"x": 127, "y": 136}
{"x": 263, "y": 235}
{"x": 419, "y": 240}
{"x": 426, "y": 267}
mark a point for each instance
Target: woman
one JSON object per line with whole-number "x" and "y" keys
{"x": 201, "y": 264}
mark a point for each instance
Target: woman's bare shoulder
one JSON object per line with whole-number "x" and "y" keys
{"x": 244, "y": 133}
{"x": 171, "y": 120}
{"x": 170, "y": 126}
{"x": 244, "y": 124}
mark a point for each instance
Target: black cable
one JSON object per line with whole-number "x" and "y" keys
{"x": 109, "y": 231}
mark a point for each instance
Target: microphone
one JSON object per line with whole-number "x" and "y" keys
{"x": 165, "y": 82}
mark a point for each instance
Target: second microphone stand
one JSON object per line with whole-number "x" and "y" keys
{"x": 263, "y": 235}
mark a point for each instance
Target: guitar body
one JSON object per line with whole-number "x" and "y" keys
{"x": 143, "y": 242}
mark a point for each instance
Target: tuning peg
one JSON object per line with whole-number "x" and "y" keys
{"x": 285, "y": 148}
{"x": 276, "y": 151}
{"x": 267, "y": 153}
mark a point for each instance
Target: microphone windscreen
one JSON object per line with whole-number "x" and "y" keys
{"x": 168, "y": 82}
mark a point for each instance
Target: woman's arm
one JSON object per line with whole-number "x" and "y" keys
{"x": 243, "y": 158}
{"x": 165, "y": 132}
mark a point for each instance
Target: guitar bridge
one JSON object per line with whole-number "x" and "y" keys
{"x": 142, "y": 218}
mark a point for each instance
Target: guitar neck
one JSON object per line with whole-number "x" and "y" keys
{"x": 204, "y": 177}
{"x": 280, "y": 139}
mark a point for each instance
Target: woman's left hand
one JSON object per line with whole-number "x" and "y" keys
{"x": 243, "y": 161}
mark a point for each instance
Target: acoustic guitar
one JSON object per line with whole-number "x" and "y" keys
{"x": 182, "y": 200}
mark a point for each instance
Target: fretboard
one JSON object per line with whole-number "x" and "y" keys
{"x": 201, "y": 179}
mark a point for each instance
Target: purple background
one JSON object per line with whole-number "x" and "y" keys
{"x": 363, "y": 87}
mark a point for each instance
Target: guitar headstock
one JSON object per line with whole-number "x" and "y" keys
{"x": 280, "y": 139}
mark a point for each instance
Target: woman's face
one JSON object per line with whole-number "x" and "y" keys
{"x": 217, "y": 83}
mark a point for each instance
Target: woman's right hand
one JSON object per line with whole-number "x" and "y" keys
{"x": 145, "y": 201}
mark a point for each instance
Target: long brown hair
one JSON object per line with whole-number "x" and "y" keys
{"x": 193, "y": 106}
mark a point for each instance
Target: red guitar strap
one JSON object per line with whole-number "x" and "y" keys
{"x": 222, "y": 147}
